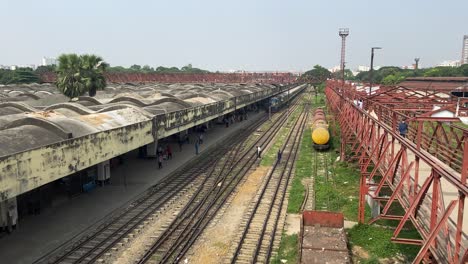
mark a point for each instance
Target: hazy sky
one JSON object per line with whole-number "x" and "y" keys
{"x": 235, "y": 34}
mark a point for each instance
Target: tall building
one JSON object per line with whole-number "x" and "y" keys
{"x": 464, "y": 59}
{"x": 49, "y": 61}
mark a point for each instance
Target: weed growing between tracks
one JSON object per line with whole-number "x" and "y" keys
{"x": 304, "y": 168}
{"x": 269, "y": 157}
{"x": 287, "y": 249}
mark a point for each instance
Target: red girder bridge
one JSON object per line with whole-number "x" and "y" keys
{"x": 425, "y": 172}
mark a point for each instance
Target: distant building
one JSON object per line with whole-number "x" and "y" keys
{"x": 449, "y": 63}
{"x": 49, "y": 61}
{"x": 464, "y": 59}
{"x": 361, "y": 68}
{"x": 335, "y": 69}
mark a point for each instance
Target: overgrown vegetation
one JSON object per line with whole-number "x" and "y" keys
{"x": 161, "y": 69}
{"x": 392, "y": 75}
{"x": 388, "y": 75}
{"x": 287, "y": 250}
{"x": 18, "y": 76}
{"x": 304, "y": 169}
{"x": 340, "y": 192}
{"x": 376, "y": 241}
{"x": 270, "y": 156}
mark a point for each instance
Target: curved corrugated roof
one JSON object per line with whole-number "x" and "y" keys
{"x": 37, "y": 115}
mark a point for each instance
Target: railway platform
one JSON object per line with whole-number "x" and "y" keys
{"x": 37, "y": 235}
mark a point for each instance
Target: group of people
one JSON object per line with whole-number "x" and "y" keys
{"x": 232, "y": 118}
{"x": 278, "y": 155}
{"x": 163, "y": 153}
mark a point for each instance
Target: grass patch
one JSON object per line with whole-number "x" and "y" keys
{"x": 304, "y": 169}
{"x": 376, "y": 241}
{"x": 287, "y": 249}
{"x": 340, "y": 192}
{"x": 269, "y": 157}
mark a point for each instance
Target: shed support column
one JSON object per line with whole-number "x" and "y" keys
{"x": 103, "y": 172}
{"x": 8, "y": 214}
{"x": 152, "y": 150}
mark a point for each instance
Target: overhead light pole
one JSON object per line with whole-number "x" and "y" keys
{"x": 372, "y": 68}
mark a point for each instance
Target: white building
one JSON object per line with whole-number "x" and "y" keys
{"x": 449, "y": 63}
{"x": 361, "y": 68}
{"x": 335, "y": 69}
{"x": 49, "y": 61}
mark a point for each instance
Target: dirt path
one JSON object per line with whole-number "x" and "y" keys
{"x": 213, "y": 246}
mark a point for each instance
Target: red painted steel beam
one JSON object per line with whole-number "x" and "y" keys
{"x": 367, "y": 129}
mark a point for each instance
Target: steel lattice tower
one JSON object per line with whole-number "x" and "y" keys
{"x": 464, "y": 59}
{"x": 343, "y": 32}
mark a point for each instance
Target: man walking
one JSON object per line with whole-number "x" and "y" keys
{"x": 160, "y": 160}
{"x": 259, "y": 152}
{"x": 196, "y": 148}
{"x": 403, "y": 128}
{"x": 279, "y": 155}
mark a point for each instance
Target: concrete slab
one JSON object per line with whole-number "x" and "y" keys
{"x": 38, "y": 235}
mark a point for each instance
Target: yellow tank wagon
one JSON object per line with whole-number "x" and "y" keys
{"x": 320, "y": 133}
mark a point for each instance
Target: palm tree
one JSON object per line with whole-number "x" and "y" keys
{"x": 77, "y": 75}
{"x": 94, "y": 68}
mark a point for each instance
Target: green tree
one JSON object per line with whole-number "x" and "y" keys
{"x": 77, "y": 75}
{"x": 147, "y": 69}
{"x": 44, "y": 69}
{"x": 464, "y": 70}
{"x": 94, "y": 68}
{"x": 317, "y": 75}
{"x": 393, "y": 79}
{"x": 135, "y": 67}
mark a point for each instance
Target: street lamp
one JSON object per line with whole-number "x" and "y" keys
{"x": 372, "y": 68}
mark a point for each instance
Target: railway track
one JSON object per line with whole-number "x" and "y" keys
{"x": 174, "y": 243}
{"x": 97, "y": 243}
{"x": 121, "y": 226}
{"x": 260, "y": 227}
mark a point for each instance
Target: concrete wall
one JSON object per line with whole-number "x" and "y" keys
{"x": 25, "y": 171}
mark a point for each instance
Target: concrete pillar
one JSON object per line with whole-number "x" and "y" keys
{"x": 103, "y": 171}
{"x": 374, "y": 205}
{"x": 8, "y": 214}
{"x": 152, "y": 150}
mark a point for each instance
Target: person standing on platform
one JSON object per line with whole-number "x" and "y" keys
{"x": 196, "y": 148}
{"x": 169, "y": 152}
{"x": 403, "y": 128}
{"x": 160, "y": 160}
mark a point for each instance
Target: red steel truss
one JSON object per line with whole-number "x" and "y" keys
{"x": 425, "y": 173}
{"x": 278, "y": 77}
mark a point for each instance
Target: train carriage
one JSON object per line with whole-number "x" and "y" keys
{"x": 320, "y": 133}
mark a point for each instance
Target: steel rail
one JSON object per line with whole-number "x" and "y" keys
{"x": 168, "y": 232}
{"x": 259, "y": 201}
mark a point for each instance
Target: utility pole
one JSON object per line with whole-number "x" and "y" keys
{"x": 372, "y": 68}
